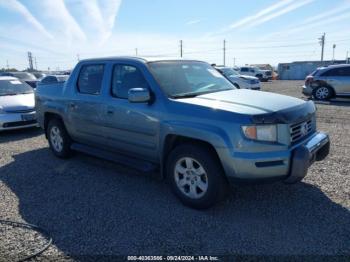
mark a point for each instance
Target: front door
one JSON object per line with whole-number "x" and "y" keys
{"x": 132, "y": 128}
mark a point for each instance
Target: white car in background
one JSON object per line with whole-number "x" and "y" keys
{"x": 263, "y": 75}
{"x": 17, "y": 104}
{"x": 240, "y": 81}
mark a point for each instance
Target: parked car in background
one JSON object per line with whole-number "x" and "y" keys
{"x": 29, "y": 78}
{"x": 184, "y": 119}
{"x": 17, "y": 108}
{"x": 39, "y": 75}
{"x": 328, "y": 82}
{"x": 239, "y": 81}
{"x": 53, "y": 79}
{"x": 263, "y": 75}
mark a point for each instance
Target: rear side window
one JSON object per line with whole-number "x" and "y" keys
{"x": 244, "y": 69}
{"x": 124, "y": 78}
{"x": 340, "y": 71}
{"x": 90, "y": 79}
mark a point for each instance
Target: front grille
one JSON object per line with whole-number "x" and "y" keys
{"x": 300, "y": 130}
{"x": 21, "y": 111}
{"x": 19, "y": 123}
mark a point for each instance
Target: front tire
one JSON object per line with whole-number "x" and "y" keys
{"x": 322, "y": 93}
{"x": 196, "y": 176}
{"x": 59, "y": 139}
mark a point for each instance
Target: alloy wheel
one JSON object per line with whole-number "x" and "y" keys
{"x": 190, "y": 177}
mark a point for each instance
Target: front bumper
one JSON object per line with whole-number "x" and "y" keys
{"x": 316, "y": 149}
{"x": 307, "y": 90}
{"x": 11, "y": 121}
{"x": 288, "y": 165}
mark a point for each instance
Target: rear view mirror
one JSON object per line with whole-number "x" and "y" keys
{"x": 139, "y": 95}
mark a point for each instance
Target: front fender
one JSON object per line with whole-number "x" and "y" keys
{"x": 214, "y": 135}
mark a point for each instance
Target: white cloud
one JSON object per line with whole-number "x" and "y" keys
{"x": 261, "y": 13}
{"x": 281, "y": 12}
{"x": 57, "y": 14}
{"x": 192, "y": 22}
{"x": 16, "y": 6}
{"x": 319, "y": 20}
{"x": 109, "y": 10}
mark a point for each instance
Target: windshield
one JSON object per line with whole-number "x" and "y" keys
{"x": 228, "y": 72}
{"x": 14, "y": 87}
{"x": 62, "y": 78}
{"x": 23, "y": 75}
{"x": 314, "y": 72}
{"x": 188, "y": 78}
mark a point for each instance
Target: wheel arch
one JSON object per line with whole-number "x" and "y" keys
{"x": 171, "y": 141}
{"x": 49, "y": 116}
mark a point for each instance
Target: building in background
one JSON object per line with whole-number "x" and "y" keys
{"x": 300, "y": 69}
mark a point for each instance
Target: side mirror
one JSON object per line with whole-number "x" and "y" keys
{"x": 139, "y": 95}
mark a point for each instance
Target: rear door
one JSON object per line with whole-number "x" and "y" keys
{"x": 85, "y": 104}
{"x": 339, "y": 79}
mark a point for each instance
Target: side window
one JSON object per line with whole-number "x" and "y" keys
{"x": 124, "y": 78}
{"x": 90, "y": 79}
{"x": 244, "y": 69}
{"x": 252, "y": 70}
{"x": 346, "y": 71}
{"x": 331, "y": 72}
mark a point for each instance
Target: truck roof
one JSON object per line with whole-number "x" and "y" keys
{"x": 139, "y": 59}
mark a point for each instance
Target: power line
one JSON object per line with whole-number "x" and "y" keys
{"x": 322, "y": 41}
{"x": 224, "y": 49}
{"x": 181, "y": 48}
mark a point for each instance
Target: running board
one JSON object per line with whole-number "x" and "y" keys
{"x": 140, "y": 165}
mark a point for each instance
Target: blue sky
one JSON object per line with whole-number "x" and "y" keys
{"x": 265, "y": 31}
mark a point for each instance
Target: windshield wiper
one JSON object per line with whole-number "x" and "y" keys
{"x": 190, "y": 95}
{"x": 186, "y": 95}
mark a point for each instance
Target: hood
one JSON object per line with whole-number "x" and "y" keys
{"x": 246, "y": 77}
{"x": 264, "y": 107}
{"x": 17, "y": 102}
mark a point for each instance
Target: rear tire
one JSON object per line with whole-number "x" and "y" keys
{"x": 196, "y": 176}
{"x": 322, "y": 93}
{"x": 59, "y": 139}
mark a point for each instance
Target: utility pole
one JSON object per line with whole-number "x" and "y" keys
{"x": 30, "y": 61}
{"x": 234, "y": 61}
{"x": 78, "y": 57}
{"x": 136, "y": 52}
{"x": 36, "y": 65}
{"x": 347, "y": 57}
{"x": 7, "y": 64}
{"x": 322, "y": 41}
{"x": 181, "y": 50}
{"x": 224, "y": 49}
{"x": 334, "y": 46}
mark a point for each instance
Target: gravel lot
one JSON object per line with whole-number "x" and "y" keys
{"x": 94, "y": 207}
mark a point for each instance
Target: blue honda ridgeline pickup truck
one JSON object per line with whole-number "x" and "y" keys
{"x": 183, "y": 119}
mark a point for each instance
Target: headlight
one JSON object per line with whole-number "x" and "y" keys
{"x": 261, "y": 132}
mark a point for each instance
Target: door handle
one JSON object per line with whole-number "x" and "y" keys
{"x": 73, "y": 106}
{"x": 110, "y": 112}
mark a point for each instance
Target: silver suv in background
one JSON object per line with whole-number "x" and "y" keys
{"x": 328, "y": 82}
